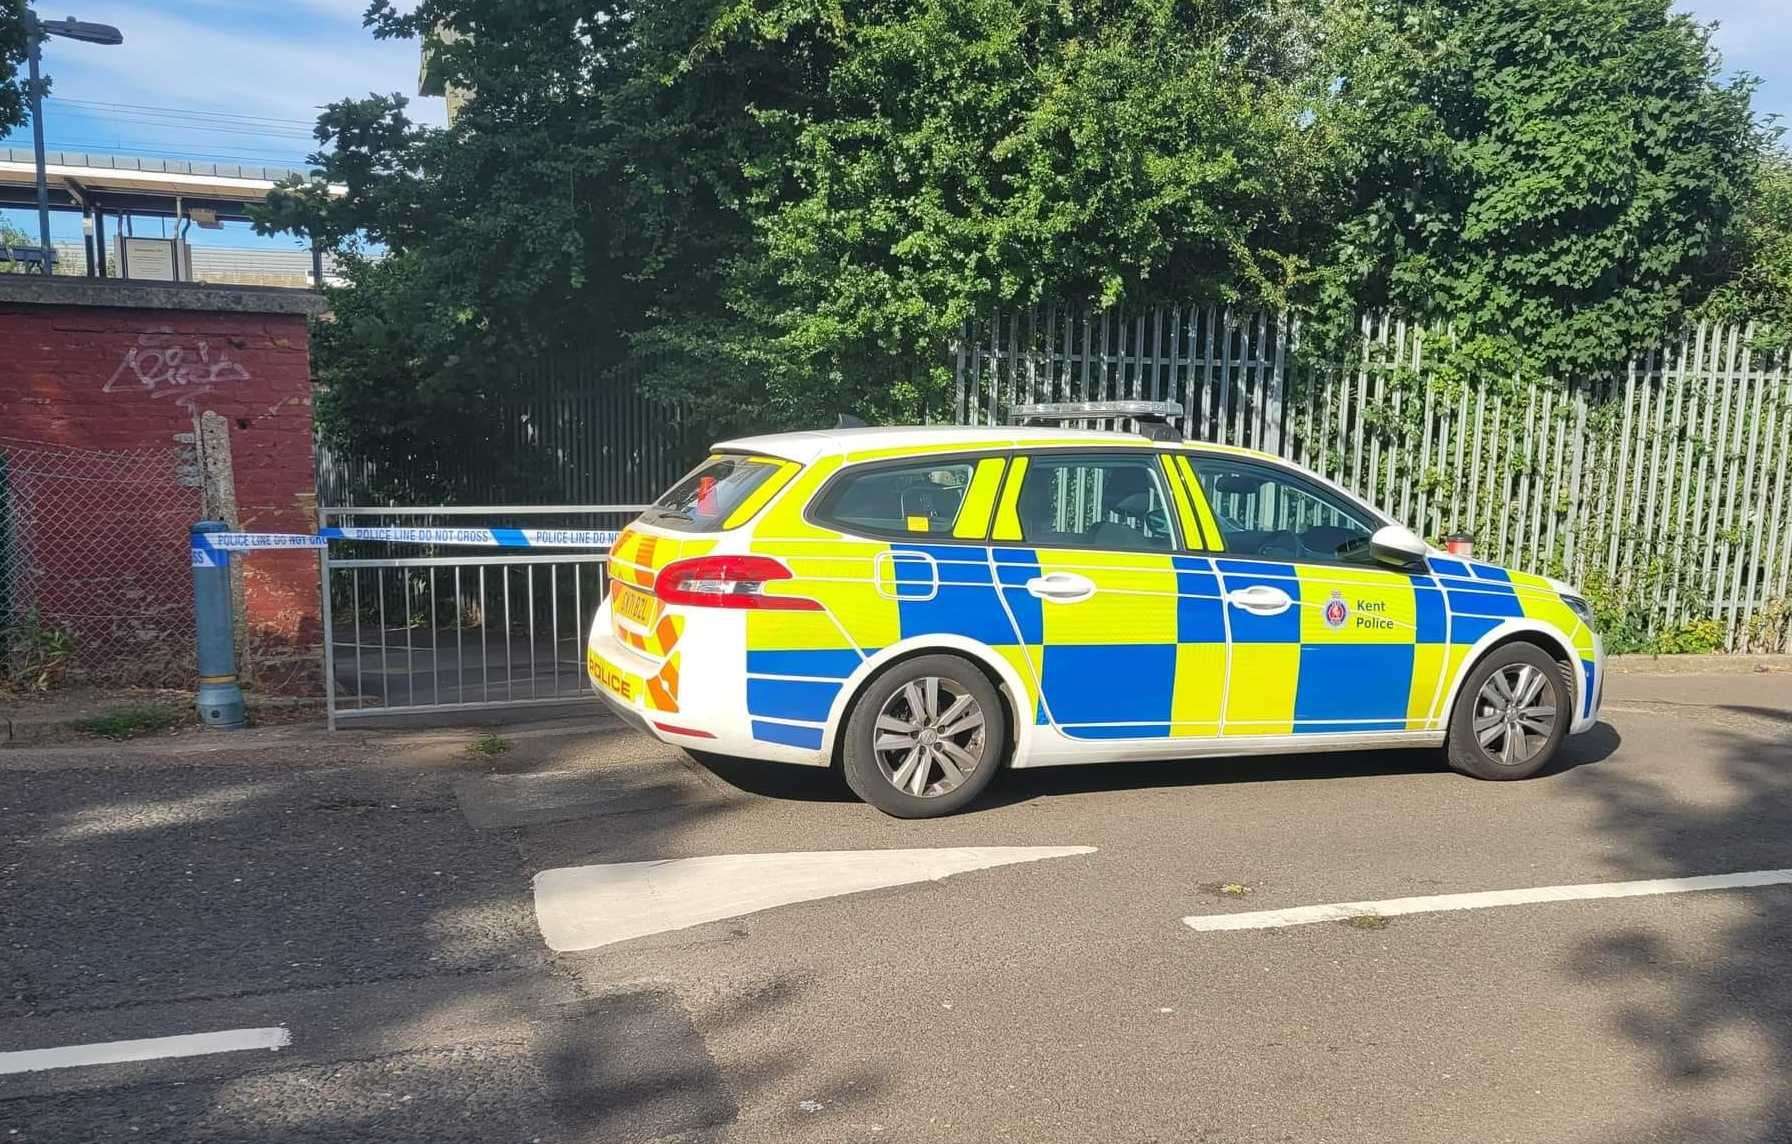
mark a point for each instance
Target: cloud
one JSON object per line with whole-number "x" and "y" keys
{"x": 1754, "y": 36}
{"x": 282, "y": 62}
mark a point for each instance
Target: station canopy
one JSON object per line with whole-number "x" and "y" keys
{"x": 123, "y": 184}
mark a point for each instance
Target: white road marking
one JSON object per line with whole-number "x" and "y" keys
{"x": 583, "y": 907}
{"x": 150, "y": 1049}
{"x": 1389, "y": 907}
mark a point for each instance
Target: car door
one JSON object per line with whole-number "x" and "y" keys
{"x": 1323, "y": 639}
{"x": 1086, "y": 551}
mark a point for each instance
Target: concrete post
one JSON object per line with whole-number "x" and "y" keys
{"x": 218, "y": 490}
{"x": 220, "y": 697}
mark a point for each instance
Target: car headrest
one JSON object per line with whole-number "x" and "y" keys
{"x": 1123, "y": 484}
{"x": 1136, "y": 505}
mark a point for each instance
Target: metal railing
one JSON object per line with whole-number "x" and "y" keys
{"x": 414, "y": 628}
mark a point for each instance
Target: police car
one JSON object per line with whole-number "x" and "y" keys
{"x": 926, "y": 606}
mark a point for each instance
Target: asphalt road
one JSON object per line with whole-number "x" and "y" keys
{"x": 371, "y": 894}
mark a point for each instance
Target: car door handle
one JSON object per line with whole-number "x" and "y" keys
{"x": 1260, "y": 600}
{"x": 1062, "y": 587}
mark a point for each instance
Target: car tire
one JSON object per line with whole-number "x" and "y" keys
{"x": 911, "y": 730}
{"x": 1499, "y": 729}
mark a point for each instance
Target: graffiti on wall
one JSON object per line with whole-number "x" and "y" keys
{"x": 163, "y": 367}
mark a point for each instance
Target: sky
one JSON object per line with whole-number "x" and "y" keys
{"x": 238, "y": 81}
{"x": 242, "y": 80}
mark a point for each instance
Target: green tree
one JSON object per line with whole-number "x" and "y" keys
{"x": 961, "y": 155}
{"x": 787, "y": 208}
{"x": 11, "y": 235}
{"x": 1755, "y": 266}
{"x": 588, "y": 193}
{"x": 13, "y": 45}
{"x": 1553, "y": 176}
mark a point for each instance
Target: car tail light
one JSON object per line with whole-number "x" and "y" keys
{"x": 727, "y": 582}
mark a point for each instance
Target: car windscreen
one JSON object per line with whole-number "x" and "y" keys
{"x": 705, "y": 499}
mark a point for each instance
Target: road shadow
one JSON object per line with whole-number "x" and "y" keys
{"x": 1709, "y": 1007}
{"x": 1595, "y": 746}
{"x": 358, "y": 905}
{"x": 775, "y": 780}
{"x": 817, "y": 784}
{"x": 1772, "y": 714}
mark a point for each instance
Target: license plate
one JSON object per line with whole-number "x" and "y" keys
{"x": 635, "y": 607}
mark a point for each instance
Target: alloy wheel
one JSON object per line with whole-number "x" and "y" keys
{"x": 1515, "y": 714}
{"x": 929, "y": 737}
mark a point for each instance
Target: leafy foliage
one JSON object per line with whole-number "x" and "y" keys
{"x": 34, "y": 655}
{"x": 1756, "y": 265}
{"x": 966, "y": 154}
{"x": 587, "y": 194}
{"x": 13, "y": 49}
{"x": 788, "y": 208}
{"x": 13, "y": 236}
{"x": 1549, "y": 174}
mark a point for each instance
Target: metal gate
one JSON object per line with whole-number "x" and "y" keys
{"x": 424, "y": 627}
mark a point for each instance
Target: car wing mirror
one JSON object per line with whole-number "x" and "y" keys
{"x": 1396, "y": 546}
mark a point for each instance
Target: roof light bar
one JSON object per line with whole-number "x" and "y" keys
{"x": 1084, "y": 410}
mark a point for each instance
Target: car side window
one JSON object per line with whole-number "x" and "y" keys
{"x": 919, "y": 499}
{"x": 1095, "y": 502}
{"x": 1263, "y": 510}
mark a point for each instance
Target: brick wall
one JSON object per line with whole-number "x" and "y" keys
{"x": 129, "y": 377}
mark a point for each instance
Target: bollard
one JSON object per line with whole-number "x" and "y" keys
{"x": 220, "y": 697}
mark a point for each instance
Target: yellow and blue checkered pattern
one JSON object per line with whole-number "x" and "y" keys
{"x": 1156, "y": 652}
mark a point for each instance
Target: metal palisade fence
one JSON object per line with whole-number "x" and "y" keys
{"x": 1661, "y": 490}
{"x": 566, "y": 429}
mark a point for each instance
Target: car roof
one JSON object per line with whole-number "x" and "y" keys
{"x": 810, "y": 445}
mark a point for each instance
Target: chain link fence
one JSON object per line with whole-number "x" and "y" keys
{"x": 94, "y": 579}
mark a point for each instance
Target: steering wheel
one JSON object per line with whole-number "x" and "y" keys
{"x": 1227, "y": 524}
{"x": 1283, "y": 543}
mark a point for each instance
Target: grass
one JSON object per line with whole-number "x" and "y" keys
{"x": 129, "y": 720}
{"x": 489, "y": 744}
{"x": 1226, "y": 889}
{"x": 1367, "y": 921}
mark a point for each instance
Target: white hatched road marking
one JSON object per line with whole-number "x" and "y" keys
{"x": 1436, "y": 903}
{"x": 274, "y": 1038}
{"x": 583, "y": 907}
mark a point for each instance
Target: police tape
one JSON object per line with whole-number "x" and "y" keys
{"x": 484, "y": 537}
{"x": 212, "y": 548}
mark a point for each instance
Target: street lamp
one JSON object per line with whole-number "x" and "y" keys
{"x": 35, "y": 31}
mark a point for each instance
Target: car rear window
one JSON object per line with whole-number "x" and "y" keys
{"x": 705, "y": 499}
{"x": 897, "y": 500}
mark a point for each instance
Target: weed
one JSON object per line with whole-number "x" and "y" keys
{"x": 1225, "y": 889}
{"x": 1770, "y": 628}
{"x": 34, "y": 656}
{"x": 129, "y": 720}
{"x": 1694, "y": 637}
{"x": 489, "y": 744}
{"x": 1367, "y": 921}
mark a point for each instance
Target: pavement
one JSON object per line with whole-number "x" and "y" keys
{"x": 369, "y": 897}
